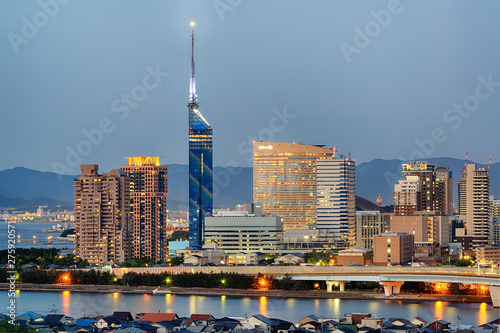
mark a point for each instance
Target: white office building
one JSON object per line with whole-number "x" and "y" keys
{"x": 336, "y": 199}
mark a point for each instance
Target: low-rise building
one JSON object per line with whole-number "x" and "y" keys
{"x": 488, "y": 254}
{"x": 235, "y": 234}
{"x": 356, "y": 255}
{"x": 295, "y": 258}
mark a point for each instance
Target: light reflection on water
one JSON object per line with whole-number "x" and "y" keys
{"x": 292, "y": 309}
{"x": 263, "y": 306}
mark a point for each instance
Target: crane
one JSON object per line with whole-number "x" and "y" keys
{"x": 489, "y": 164}
{"x": 465, "y": 164}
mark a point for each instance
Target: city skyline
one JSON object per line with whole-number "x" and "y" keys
{"x": 405, "y": 80}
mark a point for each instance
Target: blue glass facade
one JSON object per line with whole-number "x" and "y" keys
{"x": 200, "y": 175}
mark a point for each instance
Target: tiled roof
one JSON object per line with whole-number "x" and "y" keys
{"x": 156, "y": 317}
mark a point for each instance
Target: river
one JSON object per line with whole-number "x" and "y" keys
{"x": 77, "y": 303}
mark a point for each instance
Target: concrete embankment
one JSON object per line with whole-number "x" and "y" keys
{"x": 248, "y": 293}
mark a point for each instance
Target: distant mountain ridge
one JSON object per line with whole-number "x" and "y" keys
{"x": 21, "y": 187}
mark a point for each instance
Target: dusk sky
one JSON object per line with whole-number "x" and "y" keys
{"x": 378, "y": 79}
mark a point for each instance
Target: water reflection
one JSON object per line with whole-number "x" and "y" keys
{"x": 192, "y": 304}
{"x": 223, "y": 303}
{"x": 334, "y": 305}
{"x": 263, "y": 306}
{"x": 66, "y": 301}
{"x": 316, "y": 307}
{"x": 483, "y": 314}
{"x": 169, "y": 302}
{"x": 438, "y": 310}
{"x": 115, "y": 299}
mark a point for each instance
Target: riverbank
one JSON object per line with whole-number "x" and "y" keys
{"x": 249, "y": 293}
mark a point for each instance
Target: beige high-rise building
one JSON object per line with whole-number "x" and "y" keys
{"x": 148, "y": 191}
{"x": 102, "y": 211}
{"x": 462, "y": 196}
{"x": 370, "y": 224}
{"x": 479, "y": 220}
{"x": 407, "y": 196}
{"x": 285, "y": 181}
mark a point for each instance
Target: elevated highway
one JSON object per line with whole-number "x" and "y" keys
{"x": 390, "y": 277}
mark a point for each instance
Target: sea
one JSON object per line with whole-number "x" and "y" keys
{"x": 26, "y": 235}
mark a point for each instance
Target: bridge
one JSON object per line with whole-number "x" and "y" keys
{"x": 391, "y": 278}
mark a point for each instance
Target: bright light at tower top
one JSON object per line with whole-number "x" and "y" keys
{"x": 192, "y": 23}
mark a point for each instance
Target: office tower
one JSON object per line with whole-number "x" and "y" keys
{"x": 444, "y": 176}
{"x": 479, "y": 219}
{"x": 336, "y": 199}
{"x": 462, "y": 196}
{"x": 200, "y": 165}
{"x": 102, "y": 211}
{"x": 407, "y": 196}
{"x": 432, "y": 190}
{"x": 148, "y": 192}
{"x": 370, "y": 224}
{"x": 285, "y": 183}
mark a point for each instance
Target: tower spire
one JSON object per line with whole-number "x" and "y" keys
{"x": 193, "y": 99}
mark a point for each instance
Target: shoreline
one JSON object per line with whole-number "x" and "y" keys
{"x": 248, "y": 293}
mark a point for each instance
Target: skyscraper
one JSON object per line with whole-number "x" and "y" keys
{"x": 479, "y": 220}
{"x": 200, "y": 164}
{"x": 336, "y": 199}
{"x": 148, "y": 193}
{"x": 462, "y": 196}
{"x": 103, "y": 221}
{"x": 285, "y": 181}
{"x": 407, "y": 196}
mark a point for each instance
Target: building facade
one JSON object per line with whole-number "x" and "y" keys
{"x": 392, "y": 248}
{"x": 245, "y": 233}
{"x": 336, "y": 199}
{"x": 357, "y": 256}
{"x": 285, "y": 181}
{"x": 431, "y": 232}
{"x": 432, "y": 189}
{"x": 479, "y": 220}
{"x": 495, "y": 213}
{"x": 445, "y": 177}
{"x": 488, "y": 255}
{"x": 407, "y": 196}
{"x": 370, "y": 224}
{"x": 200, "y": 165}
{"x": 103, "y": 222}
{"x": 462, "y": 196}
{"x": 148, "y": 192}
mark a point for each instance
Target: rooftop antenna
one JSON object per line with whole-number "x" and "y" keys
{"x": 193, "y": 99}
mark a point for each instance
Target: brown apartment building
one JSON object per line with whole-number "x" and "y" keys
{"x": 148, "y": 191}
{"x": 103, "y": 221}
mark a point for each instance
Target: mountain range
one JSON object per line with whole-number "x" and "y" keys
{"x": 23, "y": 188}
